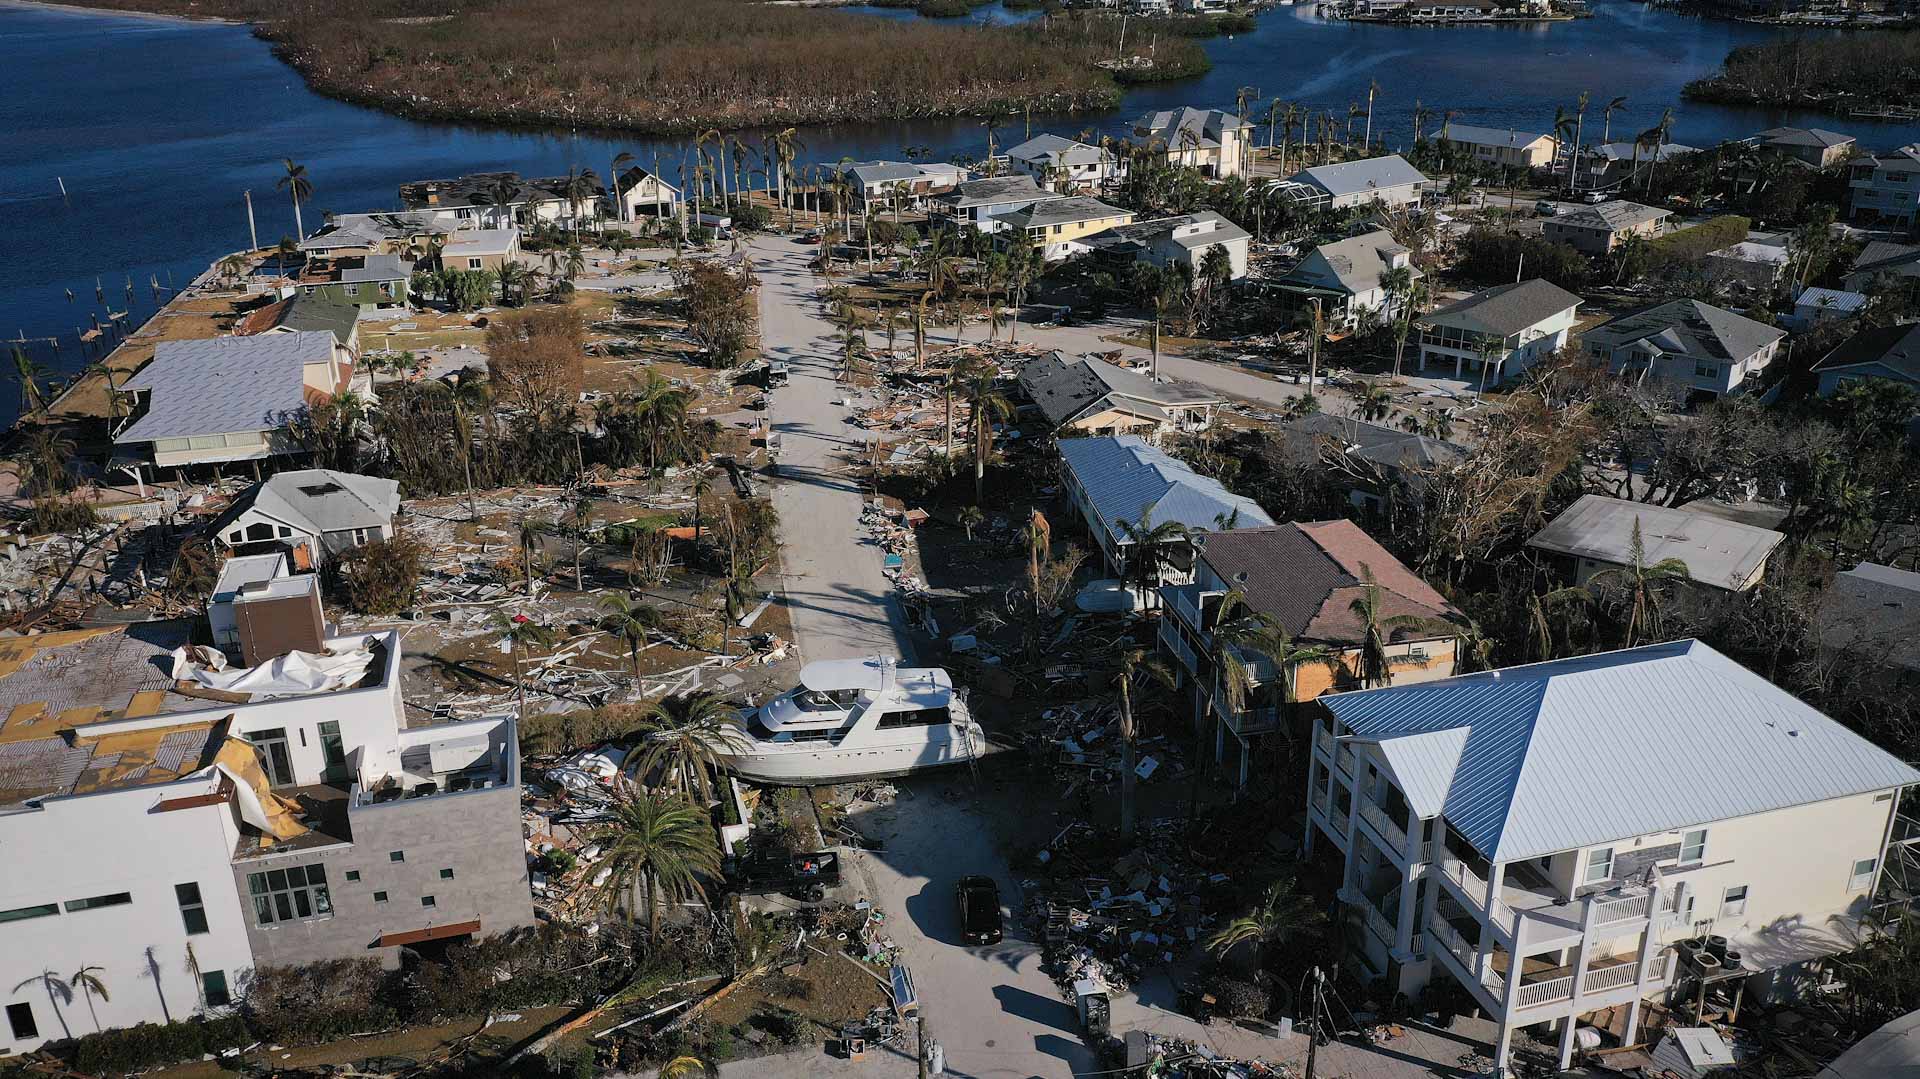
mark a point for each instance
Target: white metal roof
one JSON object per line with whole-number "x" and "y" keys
{"x": 1423, "y": 765}
{"x": 1576, "y": 752}
{"x": 1717, "y": 552}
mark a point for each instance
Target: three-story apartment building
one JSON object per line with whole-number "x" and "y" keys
{"x": 1546, "y": 835}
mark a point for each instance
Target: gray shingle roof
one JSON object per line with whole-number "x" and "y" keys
{"x": 1805, "y": 136}
{"x": 1895, "y": 348}
{"x": 320, "y": 500}
{"x": 1067, "y": 211}
{"x": 1124, "y": 477}
{"x": 1206, "y": 125}
{"x": 884, "y": 172}
{"x": 1308, "y": 574}
{"x": 1596, "y": 749}
{"x": 371, "y": 230}
{"x": 1611, "y": 216}
{"x": 1873, "y": 611}
{"x": 1688, "y": 328}
{"x": 1491, "y": 136}
{"x": 1143, "y": 232}
{"x": 1884, "y": 255}
{"x": 1358, "y": 261}
{"x": 1049, "y": 145}
{"x": 378, "y": 268}
{"x": 1066, "y": 390}
{"x": 224, "y": 384}
{"x": 1505, "y": 310}
{"x": 1716, "y": 551}
{"x": 1390, "y": 448}
{"x": 1355, "y": 177}
{"x": 998, "y": 191}
{"x": 308, "y": 313}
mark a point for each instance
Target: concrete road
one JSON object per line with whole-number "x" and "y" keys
{"x": 841, "y": 602}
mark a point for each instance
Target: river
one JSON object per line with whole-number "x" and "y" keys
{"x": 158, "y": 126}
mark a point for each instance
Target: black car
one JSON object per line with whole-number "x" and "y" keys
{"x": 979, "y": 899}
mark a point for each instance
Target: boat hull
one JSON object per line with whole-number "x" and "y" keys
{"x": 787, "y": 767}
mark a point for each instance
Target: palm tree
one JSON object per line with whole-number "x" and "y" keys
{"x": 580, "y": 186}
{"x": 688, "y": 1067}
{"x": 582, "y": 527}
{"x": 1234, "y": 630}
{"x": 1156, "y": 288}
{"x": 28, "y": 374}
{"x": 1152, "y": 546}
{"x": 1374, "y": 401}
{"x": 631, "y": 621}
{"x": 521, "y": 633}
{"x": 1564, "y": 126}
{"x": 1643, "y": 585}
{"x": 87, "y": 980}
{"x": 689, "y": 737}
{"x": 467, "y": 390}
{"x": 1133, "y": 664}
{"x": 1606, "y": 134}
{"x": 970, "y": 518}
{"x": 1281, "y": 914}
{"x": 1376, "y": 665}
{"x": 530, "y": 533}
{"x": 1402, "y": 290}
{"x": 988, "y": 404}
{"x": 295, "y": 183}
{"x": 654, "y": 845}
{"x": 660, "y": 408}
{"x": 512, "y": 276}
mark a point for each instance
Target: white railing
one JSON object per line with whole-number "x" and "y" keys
{"x": 1602, "y": 979}
{"x": 1451, "y": 940}
{"x": 1323, "y": 739}
{"x": 1534, "y": 994}
{"x": 1448, "y": 865}
{"x": 1393, "y": 833}
{"x": 1377, "y": 922}
{"x": 1630, "y": 908}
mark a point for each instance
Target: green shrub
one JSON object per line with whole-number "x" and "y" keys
{"x": 382, "y": 577}
{"x": 1696, "y": 241}
{"x": 136, "y": 1048}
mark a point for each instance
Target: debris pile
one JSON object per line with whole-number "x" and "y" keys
{"x": 1167, "y": 1057}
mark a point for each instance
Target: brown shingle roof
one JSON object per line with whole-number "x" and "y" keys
{"x": 1307, "y": 575}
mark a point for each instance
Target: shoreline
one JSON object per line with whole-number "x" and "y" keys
{"x": 152, "y": 16}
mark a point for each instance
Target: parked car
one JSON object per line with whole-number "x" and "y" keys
{"x": 804, "y": 876}
{"x": 979, "y": 899}
{"x": 1546, "y": 208}
{"x": 1594, "y": 198}
{"x": 811, "y": 236}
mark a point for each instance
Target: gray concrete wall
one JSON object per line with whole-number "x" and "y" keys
{"x": 475, "y": 834}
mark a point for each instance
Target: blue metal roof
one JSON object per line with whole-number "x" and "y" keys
{"x": 1577, "y": 752}
{"x": 1126, "y": 480}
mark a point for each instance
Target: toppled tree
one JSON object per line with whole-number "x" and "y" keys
{"x": 380, "y": 578}
{"x": 535, "y": 358}
{"x": 720, "y": 310}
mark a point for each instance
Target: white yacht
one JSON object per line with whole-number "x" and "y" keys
{"x": 856, "y": 719}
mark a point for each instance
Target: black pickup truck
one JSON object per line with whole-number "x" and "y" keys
{"x": 801, "y": 876}
{"x": 979, "y": 899}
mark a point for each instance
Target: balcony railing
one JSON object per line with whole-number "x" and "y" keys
{"x": 1534, "y": 994}
{"x": 1395, "y": 835}
{"x": 1323, "y": 739}
{"x": 1449, "y": 865}
{"x": 1626, "y": 909}
{"x": 1604, "y": 978}
{"x": 1456, "y": 945}
{"x": 1378, "y": 922}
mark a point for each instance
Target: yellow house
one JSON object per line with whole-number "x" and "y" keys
{"x": 1057, "y": 226}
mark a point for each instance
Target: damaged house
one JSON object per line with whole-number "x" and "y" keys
{"x": 1311, "y": 578}
{"x": 178, "y": 823}
{"x": 1093, "y": 397}
{"x": 312, "y": 514}
{"x": 1121, "y": 485}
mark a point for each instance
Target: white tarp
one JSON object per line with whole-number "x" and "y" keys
{"x": 290, "y": 675}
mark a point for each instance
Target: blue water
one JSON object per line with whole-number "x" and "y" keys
{"x": 157, "y": 127}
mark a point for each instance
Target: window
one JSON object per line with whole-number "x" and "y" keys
{"x": 21, "y": 914}
{"x": 1706, "y": 370}
{"x": 273, "y": 748}
{"x": 333, "y": 753}
{"x": 20, "y": 1017}
{"x": 213, "y": 988}
{"x": 1862, "y": 877}
{"x": 925, "y": 717}
{"x": 426, "y": 901}
{"x": 290, "y": 895}
{"x": 353, "y": 876}
{"x": 379, "y": 897}
{"x": 1693, "y": 846}
{"x": 1734, "y": 904}
{"x": 192, "y": 911}
{"x": 446, "y": 874}
{"x": 95, "y": 902}
{"x": 396, "y": 856}
{"x": 353, "y": 290}
{"x": 473, "y": 264}
{"x": 1599, "y": 865}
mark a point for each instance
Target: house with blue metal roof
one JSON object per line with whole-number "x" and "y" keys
{"x": 1595, "y": 832}
{"x": 1120, "y": 482}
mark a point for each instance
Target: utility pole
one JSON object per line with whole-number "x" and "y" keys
{"x": 252, "y": 233}
{"x": 920, "y": 1043}
{"x": 1313, "y": 1021}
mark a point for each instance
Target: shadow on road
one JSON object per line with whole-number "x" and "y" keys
{"x": 1033, "y": 1007}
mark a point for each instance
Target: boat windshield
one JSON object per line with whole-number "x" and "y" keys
{"x": 813, "y": 700}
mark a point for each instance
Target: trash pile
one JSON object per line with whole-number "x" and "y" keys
{"x": 1080, "y": 741}
{"x": 1110, "y": 920}
{"x": 1164, "y": 1057}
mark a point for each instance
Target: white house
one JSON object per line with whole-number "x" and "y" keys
{"x": 499, "y": 200}
{"x": 1596, "y": 534}
{"x": 1120, "y": 480}
{"x": 1698, "y": 349}
{"x": 1487, "y": 835}
{"x": 1186, "y": 239}
{"x": 1064, "y": 164}
{"x": 984, "y": 203}
{"x": 878, "y": 184}
{"x": 1389, "y": 182}
{"x": 1503, "y": 146}
{"x": 1345, "y": 276}
{"x": 1885, "y": 188}
{"x": 1507, "y": 329}
{"x": 1217, "y": 143}
{"x": 480, "y": 249}
{"x": 231, "y": 398}
{"x": 311, "y": 514}
{"x": 644, "y": 194}
{"x": 175, "y": 842}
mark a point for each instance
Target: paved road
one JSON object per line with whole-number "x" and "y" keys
{"x": 841, "y": 602}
